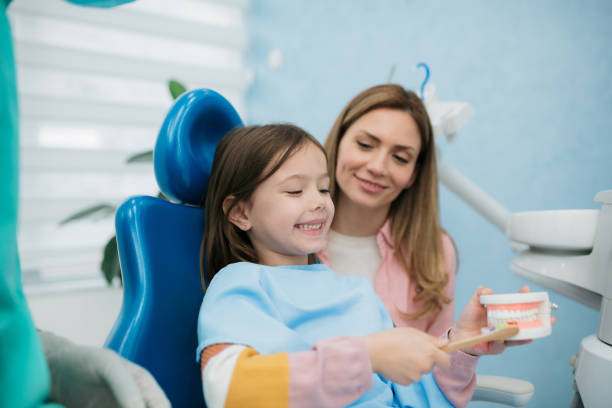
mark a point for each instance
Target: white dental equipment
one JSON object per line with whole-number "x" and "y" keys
{"x": 567, "y": 251}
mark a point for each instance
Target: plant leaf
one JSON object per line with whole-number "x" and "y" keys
{"x": 99, "y": 210}
{"x": 110, "y": 261}
{"x": 176, "y": 88}
{"x": 143, "y": 157}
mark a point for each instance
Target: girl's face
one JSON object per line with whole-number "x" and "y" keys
{"x": 289, "y": 214}
{"x": 377, "y": 159}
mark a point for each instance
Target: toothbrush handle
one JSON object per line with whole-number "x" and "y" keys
{"x": 498, "y": 334}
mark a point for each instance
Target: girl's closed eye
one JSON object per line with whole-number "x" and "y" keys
{"x": 294, "y": 192}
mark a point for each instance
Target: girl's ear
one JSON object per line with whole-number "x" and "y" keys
{"x": 237, "y": 214}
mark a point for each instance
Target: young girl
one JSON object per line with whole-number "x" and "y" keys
{"x": 277, "y": 329}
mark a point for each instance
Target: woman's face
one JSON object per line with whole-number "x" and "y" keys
{"x": 377, "y": 158}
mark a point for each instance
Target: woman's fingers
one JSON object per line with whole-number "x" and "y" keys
{"x": 511, "y": 343}
{"x": 497, "y": 347}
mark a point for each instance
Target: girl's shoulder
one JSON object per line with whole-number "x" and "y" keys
{"x": 248, "y": 273}
{"x": 239, "y": 273}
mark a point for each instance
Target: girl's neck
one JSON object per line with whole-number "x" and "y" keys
{"x": 355, "y": 220}
{"x": 270, "y": 258}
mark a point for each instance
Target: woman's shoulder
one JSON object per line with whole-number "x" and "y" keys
{"x": 447, "y": 242}
{"x": 450, "y": 252}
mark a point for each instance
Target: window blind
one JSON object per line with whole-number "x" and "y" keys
{"x": 92, "y": 88}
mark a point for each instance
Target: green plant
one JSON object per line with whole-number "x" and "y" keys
{"x": 110, "y": 266}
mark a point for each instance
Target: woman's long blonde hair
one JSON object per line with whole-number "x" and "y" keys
{"x": 414, "y": 214}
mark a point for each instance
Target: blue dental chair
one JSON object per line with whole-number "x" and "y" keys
{"x": 159, "y": 249}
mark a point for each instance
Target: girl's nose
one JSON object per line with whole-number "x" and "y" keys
{"x": 317, "y": 201}
{"x": 317, "y": 204}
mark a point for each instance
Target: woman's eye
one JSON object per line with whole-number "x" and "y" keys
{"x": 401, "y": 159}
{"x": 294, "y": 192}
{"x": 363, "y": 145}
{"x": 324, "y": 191}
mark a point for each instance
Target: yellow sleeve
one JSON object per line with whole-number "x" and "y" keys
{"x": 237, "y": 376}
{"x": 259, "y": 381}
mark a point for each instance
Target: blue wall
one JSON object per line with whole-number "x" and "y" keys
{"x": 538, "y": 76}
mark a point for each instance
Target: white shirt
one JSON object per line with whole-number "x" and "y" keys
{"x": 357, "y": 256}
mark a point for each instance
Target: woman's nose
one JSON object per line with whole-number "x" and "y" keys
{"x": 377, "y": 164}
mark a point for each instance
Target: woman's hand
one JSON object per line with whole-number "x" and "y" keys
{"x": 404, "y": 354}
{"x": 473, "y": 319}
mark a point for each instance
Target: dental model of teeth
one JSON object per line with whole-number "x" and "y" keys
{"x": 529, "y": 311}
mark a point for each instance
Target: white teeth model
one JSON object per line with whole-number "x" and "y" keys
{"x": 510, "y": 315}
{"x": 504, "y": 309}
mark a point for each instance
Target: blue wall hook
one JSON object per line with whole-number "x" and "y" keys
{"x": 424, "y": 65}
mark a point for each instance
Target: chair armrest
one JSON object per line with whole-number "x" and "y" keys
{"x": 503, "y": 390}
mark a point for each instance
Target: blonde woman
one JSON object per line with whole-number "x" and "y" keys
{"x": 382, "y": 166}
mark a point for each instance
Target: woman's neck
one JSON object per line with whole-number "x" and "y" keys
{"x": 355, "y": 220}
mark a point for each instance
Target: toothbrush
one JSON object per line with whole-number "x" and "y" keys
{"x": 501, "y": 333}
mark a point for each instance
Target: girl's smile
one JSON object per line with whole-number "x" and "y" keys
{"x": 313, "y": 228}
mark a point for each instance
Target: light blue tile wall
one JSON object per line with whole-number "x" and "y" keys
{"x": 538, "y": 74}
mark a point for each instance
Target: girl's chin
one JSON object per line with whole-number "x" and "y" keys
{"x": 313, "y": 249}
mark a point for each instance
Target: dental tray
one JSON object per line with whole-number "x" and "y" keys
{"x": 529, "y": 311}
{"x": 557, "y": 229}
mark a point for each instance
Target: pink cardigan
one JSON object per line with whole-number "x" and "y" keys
{"x": 397, "y": 290}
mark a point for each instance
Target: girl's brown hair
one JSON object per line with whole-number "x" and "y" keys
{"x": 244, "y": 158}
{"x": 414, "y": 214}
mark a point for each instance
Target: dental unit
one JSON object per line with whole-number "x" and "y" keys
{"x": 567, "y": 251}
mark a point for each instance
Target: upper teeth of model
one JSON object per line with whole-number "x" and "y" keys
{"x": 501, "y": 316}
{"x": 309, "y": 226}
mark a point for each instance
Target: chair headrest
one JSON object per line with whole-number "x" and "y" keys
{"x": 187, "y": 141}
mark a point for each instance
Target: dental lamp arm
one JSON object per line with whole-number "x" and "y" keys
{"x": 475, "y": 197}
